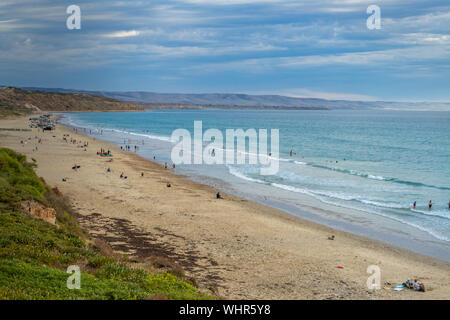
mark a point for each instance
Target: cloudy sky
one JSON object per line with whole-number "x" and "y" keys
{"x": 314, "y": 48}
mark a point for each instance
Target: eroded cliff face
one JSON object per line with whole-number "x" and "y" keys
{"x": 38, "y": 211}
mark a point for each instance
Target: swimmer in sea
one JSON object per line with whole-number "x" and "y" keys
{"x": 414, "y": 205}
{"x": 430, "y": 205}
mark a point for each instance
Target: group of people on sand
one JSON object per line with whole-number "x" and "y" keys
{"x": 430, "y": 205}
{"x": 104, "y": 152}
{"x": 122, "y": 176}
{"x": 29, "y": 139}
{"x": 81, "y": 144}
{"x": 415, "y": 285}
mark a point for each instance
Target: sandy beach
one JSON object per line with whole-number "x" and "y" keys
{"x": 242, "y": 249}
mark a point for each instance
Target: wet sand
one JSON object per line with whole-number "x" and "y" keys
{"x": 244, "y": 249}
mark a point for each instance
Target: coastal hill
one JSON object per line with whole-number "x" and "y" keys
{"x": 27, "y": 99}
{"x": 18, "y": 101}
{"x": 153, "y": 100}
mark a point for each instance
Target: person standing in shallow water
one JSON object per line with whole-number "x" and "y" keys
{"x": 430, "y": 205}
{"x": 414, "y": 205}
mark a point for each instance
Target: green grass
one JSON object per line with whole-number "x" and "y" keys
{"x": 7, "y": 110}
{"x": 21, "y": 280}
{"x": 17, "y": 179}
{"x": 34, "y": 255}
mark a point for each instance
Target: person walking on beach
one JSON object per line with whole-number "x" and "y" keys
{"x": 430, "y": 205}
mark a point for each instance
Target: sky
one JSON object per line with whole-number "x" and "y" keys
{"x": 300, "y": 48}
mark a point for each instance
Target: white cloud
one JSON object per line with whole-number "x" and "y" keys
{"x": 232, "y": 2}
{"x": 395, "y": 58}
{"x": 425, "y": 22}
{"x": 123, "y": 34}
{"x": 308, "y": 93}
{"x": 424, "y": 38}
{"x": 313, "y": 93}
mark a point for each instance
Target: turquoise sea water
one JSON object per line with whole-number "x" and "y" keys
{"x": 372, "y": 163}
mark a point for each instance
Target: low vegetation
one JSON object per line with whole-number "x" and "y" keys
{"x": 9, "y": 111}
{"x": 34, "y": 255}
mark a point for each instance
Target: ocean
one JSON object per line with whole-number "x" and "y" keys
{"x": 357, "y": 171}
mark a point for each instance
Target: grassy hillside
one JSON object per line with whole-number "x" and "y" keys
{"x": 14, "y": 100}
{"x": 34, "y": 254}
{"x": 12, "y": 110}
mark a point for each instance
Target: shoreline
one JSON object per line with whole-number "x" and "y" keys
{"x": 310, "y": 209}
{"x": 275, "y": 245}
{"x": 96, "y": 111}
{"x": 375, "y": 226}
